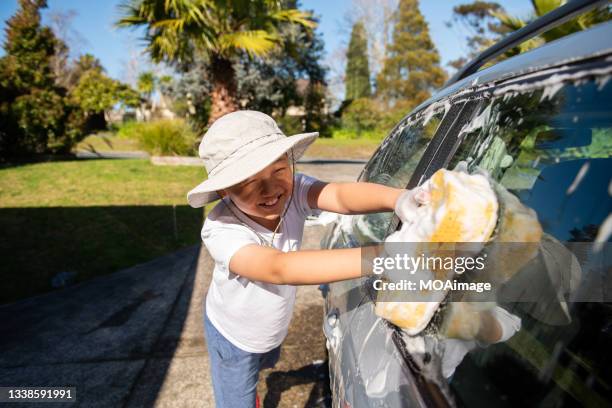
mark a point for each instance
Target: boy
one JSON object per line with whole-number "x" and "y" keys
{"x": 254, "y": 233}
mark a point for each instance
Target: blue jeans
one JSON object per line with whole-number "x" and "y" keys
{"x": 234, "y": 372}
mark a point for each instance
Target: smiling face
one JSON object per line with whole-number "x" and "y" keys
{"x": 262, "y": 197}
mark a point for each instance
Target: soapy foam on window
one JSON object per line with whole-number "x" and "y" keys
{"x": 552, "y": 81}
{"x": 581, "y": 173}
{"x": 462, "y": 208}
{"x": 604, "y": 233}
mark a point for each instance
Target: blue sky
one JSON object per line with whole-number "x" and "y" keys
{"x": 116, "y": 48}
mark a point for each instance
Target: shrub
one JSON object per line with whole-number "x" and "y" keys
{"x": 39, "y": 118}
{"x": 126, "y": 130}
{"x": 362, "y": 115}
{"x": 162, "y": 137}
{"x": 290, "y": 125}
{"x": 344, "y": 134}
{"x": 370, "y": 119}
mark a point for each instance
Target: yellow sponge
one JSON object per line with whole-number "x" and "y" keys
{"x": 461, "y": 208}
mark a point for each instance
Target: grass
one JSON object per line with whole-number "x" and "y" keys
{"x": 91, "y": 217}
{"x": 107, "y": 142}
{"x": 103, "y": 182}
{"x": 332, "y": 148}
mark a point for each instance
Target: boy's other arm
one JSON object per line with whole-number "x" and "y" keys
{"x": 353, "y": 198}
{"x": 304, "y": 267}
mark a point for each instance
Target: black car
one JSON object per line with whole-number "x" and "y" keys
{"x": 540, "y": 124}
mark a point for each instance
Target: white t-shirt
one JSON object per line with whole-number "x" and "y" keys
{"x": 252, "y": 315}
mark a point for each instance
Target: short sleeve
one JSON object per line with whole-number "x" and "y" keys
{"x": 223, "y": 241}
{"x": 302, "y": 186}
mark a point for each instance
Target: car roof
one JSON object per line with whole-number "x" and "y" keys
{"x": 590, "y": 43}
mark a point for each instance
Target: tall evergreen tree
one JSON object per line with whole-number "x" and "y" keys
{"x": 483, "y": 29}
{"x": 357, "y": 69}
{"x": 412, "y": 65}
{"x": 31, "y": 106}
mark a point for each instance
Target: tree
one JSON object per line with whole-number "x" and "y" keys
{"x": 411, "y": 68}
{"x": 191, "y": 95}
{"x": 362, "y": 115}
{"x": 357, "y": 68}
{"x": 85, "y": 63}
{"x": 274, "y": 83}
{"x": 267, "y": 84}
{"x": 314, "y": 107}
{"x": 482, "y": 26}
{"x": 179, "y": 31}
{"x": 70, "y": 42}
{"x": 146, "y": 84}
{"x": 96, "y": 93}
{"x": 32, "y": 115}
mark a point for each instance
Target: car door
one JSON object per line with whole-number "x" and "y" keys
{"x": 366, "y": 367}
{"x": 547, "y": 138}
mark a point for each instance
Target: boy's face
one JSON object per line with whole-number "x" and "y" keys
{"x": 263, "y": 195}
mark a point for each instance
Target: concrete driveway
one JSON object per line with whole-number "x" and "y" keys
{"x": 135, "y": 338}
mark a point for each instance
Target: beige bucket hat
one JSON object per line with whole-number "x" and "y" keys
{"x": 239, "y": 145}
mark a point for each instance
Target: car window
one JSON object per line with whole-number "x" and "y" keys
{"x": 393, "y": 165}
{"x": 551, "y": 147}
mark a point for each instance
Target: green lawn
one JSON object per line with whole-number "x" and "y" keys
{"x": 104, "y": 182}
{"x": 107, "y": 142}
{"x": 91, "y": 217}
{"x": 322, "y": 147}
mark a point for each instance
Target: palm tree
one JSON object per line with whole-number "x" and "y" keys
{"x": 146, "y": 86}
{"x": 542, "y": 7}
{"x": 146, "y": 83}
{"x": 218, "y": 30}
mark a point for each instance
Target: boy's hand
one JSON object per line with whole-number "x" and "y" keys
{"x": 461, "y": 321}
{"x": 408, "y": 202}
{"x": 479, "y": 321}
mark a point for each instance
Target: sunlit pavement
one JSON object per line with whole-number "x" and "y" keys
{"x": 135, "y": 338}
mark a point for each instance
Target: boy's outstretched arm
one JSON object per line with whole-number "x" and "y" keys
{"x": 353, "y": 198}
{"x": 304, "y": 267}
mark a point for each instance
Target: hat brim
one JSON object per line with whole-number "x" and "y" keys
{"x": 248, "y": 165}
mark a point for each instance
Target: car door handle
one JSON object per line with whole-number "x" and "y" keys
{"x": 331, "y": 330}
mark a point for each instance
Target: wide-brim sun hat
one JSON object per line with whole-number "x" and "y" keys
{"x": 237, "y": 146}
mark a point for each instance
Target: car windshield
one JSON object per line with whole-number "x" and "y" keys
{"x": 551, "y": 147}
